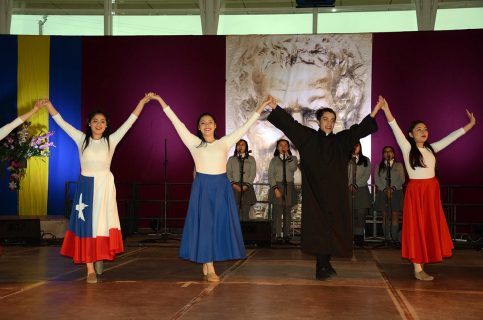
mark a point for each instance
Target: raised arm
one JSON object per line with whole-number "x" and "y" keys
{"x": 296, "y": 132}
{"x": 6, "y": 129}
{"x": 122, "y": 130}
{"x": 446, "y": 141}
{"x": 189, "y": 139}
{"x": 472, "y": 121}
{"x": 37, "y": 106}
{"x": 76, "y": 135}
{"x": 378, "y": 106}
{"x": 398, "y": 134}
{"x": 140, "y": 106}
{"x": 234, "y": 136}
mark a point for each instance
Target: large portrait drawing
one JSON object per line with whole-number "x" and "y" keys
{"x": 304, "y": 73}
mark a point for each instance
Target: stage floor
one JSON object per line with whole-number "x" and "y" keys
{"x": 273, "y": 283}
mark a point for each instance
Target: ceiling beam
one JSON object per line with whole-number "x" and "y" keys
{"x": 426, "y": 14}
{"x": 5, "y": 16}
{"x": 210, "y": 13}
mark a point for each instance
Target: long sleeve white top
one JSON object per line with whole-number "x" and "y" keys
{"x": 209, "y": 158}
{"x": 6, "y": 129}
{"x": 428, "y": 157}
{"x": 97, "y": 157}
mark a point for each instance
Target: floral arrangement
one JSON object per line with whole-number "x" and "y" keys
{"x": 18, "y": 147}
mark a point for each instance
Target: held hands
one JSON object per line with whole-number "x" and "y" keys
{"x": 160, "y": 100}
{"x": 47, "y": 104}
{"x": 379, "y": 105}
{"x": 39, "y": 104}
{"x": 269, "y": 101}
{"x": 147, "y": 97}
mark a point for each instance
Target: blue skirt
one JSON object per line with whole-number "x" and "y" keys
{"x": 212, "y": 229}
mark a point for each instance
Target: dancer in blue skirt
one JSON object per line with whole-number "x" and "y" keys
{"x": 212, "y": 229}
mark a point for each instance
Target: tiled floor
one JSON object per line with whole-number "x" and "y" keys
{"x": 278, "y": 283}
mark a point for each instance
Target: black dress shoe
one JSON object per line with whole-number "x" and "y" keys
{"x": 322, "y": 274}
{"x": 331, "y": 270}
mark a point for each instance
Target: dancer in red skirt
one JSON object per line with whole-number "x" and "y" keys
{"x": 94, "y": 232}
{"x": 425, "y": 234}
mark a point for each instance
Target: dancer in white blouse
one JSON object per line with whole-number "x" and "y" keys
{"x": 212, "y": 229}
{"x": 94, "y": 232}
{"x": 425, "y": 234}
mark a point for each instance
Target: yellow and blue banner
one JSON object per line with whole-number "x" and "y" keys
{"x": 32, "y": 68}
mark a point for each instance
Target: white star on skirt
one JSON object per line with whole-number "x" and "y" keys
{"x": 80, "y": 207}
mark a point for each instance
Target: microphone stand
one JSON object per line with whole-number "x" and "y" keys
{"x": 241, "y": 161}
{"x": 388, "y": 198}
{"x": 353, "y": 163}
{"x": 285, "y": 192}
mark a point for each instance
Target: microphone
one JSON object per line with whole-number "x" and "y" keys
{"x": 388, "y": 160}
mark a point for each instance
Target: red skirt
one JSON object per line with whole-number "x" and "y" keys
{"x": 425, "y": 234}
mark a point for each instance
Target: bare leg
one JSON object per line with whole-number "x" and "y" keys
{"x": 210, "y": 272}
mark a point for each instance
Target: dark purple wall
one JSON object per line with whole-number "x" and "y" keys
{"x": 188, "y": 72}
{"x": 433, "y": 76}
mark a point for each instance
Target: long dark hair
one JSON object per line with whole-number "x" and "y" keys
{"x": 415, "y": 156}
{"x": 235, "y": 153}
{"x": 362, "y": 158}
{"x": 277, "y": 153}
{"x": 88, "y": 131}
{"x": 198, "y": 131}
{"x": 382, "y": 164}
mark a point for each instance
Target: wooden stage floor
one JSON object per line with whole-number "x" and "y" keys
{"x": 150, "y": 282}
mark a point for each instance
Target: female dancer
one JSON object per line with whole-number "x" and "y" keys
{"x": 360, "y": 201}
{"x": 425, "y": 236}
{"x": 94, "y": 232}
{"x": 212, "y": 230}
{"x": 242, "y": 183}
{"x": 390, "y": 177}
{"x": 282, "y": 194}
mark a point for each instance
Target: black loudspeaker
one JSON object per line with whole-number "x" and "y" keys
{"x": 257, "y": 232}
{"x": 20, "y": 231}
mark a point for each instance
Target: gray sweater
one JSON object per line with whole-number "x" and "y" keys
{"x": 275, "y": 170}
{"x": 249, "y": 170}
